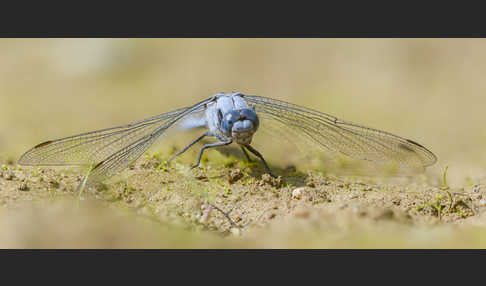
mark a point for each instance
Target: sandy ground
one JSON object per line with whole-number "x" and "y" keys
{"x": 428, "y": 90}
{"x": 219, "y": 206}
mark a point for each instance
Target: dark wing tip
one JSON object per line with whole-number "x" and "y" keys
{"x": 415, "y": 143}
{"x": 97, "y": 165}
{"x": 430, "y": 156}
{"x": 43, "y": 144}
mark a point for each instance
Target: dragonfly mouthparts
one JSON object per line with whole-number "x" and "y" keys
{"x": 243, "y": 137}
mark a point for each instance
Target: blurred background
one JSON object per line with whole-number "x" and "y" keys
{"x": 429, "y": 90}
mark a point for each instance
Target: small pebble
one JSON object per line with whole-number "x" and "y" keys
{"x": 297, "y": 193}
{"x": 23, "y": 187}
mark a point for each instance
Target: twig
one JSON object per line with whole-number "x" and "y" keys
{"x": 226, "y": 214}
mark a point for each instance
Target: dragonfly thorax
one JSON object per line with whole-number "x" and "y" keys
{"x": 240, "y": 125}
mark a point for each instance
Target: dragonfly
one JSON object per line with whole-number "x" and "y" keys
{"x": 229, "y": 118}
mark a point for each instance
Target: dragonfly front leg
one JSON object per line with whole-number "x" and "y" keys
{"x": 252, "y": 150}
{"x": 188, "y": 146}
{"x": 222, "y": 143}
{"x": 246, "y": 154}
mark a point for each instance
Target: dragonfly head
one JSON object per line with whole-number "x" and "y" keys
{"x": 240, "y": 125}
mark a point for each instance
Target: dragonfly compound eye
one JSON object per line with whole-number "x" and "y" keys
{"x": 250, "y": 114}
{"x": 228, "y": 120}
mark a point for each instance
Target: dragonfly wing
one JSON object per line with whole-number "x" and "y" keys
{"x": 341, "y": 136}
{"x": 109, "y": 150}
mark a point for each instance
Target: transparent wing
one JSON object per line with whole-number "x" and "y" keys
{"x": 337, "y": 135}
{"x": 109, "y": 150}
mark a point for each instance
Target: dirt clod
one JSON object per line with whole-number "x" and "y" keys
{"x": 269, "y": 180}
{"x": 234, "y": 175}
{"x": 311, "y": 185}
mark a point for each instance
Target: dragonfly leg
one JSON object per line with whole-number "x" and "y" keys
{"x": 252, "y": 150}
{"x": 187, "y": 147}
{"x": 217, "y": 144}
{"x": 246, "y": 154}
